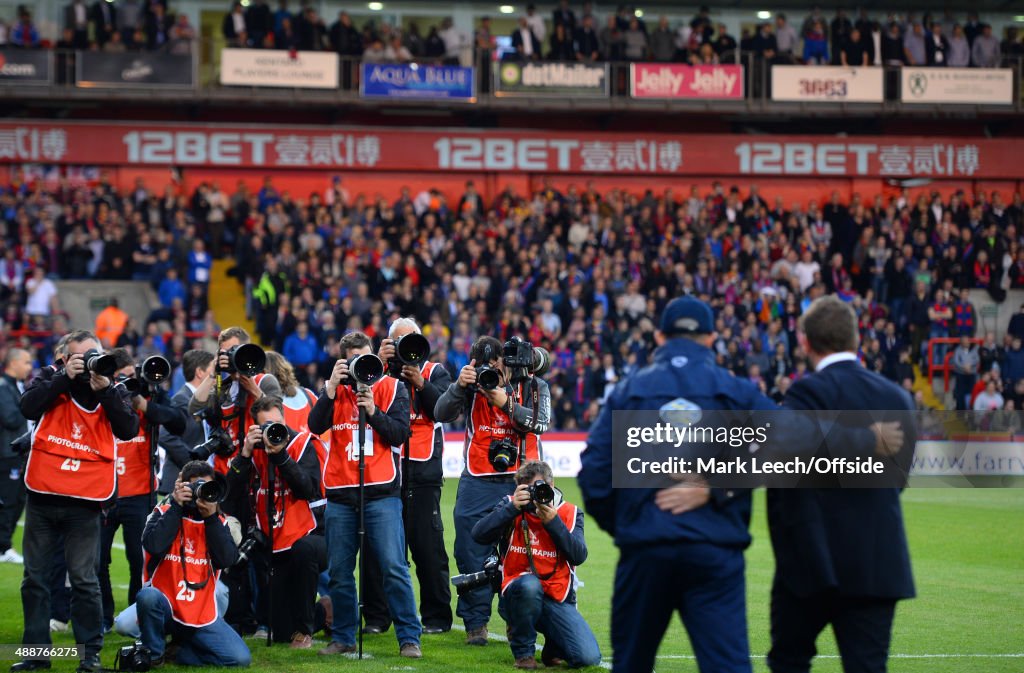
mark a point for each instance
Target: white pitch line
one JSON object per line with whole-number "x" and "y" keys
{"x": 503, "y": 639}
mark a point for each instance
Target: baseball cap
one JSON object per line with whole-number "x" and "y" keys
{"x": 687, "y": 315}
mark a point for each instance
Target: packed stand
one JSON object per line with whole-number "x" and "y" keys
{"x": 580, "y": 272}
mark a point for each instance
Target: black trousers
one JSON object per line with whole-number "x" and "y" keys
{"x": 130, "y": 514}
{"x": 80, "y": 525}
{"x": 12, "y": 493}
{"x": 424, "y": 532}
{"x": 296, "y": 574}
{"x": 862, "y": 626}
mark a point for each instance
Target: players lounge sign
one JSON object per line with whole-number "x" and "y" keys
{"x": 502, "y": 150}
{"x": 551, "y": 79}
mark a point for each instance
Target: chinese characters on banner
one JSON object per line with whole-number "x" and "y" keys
{"x": 388, "y": 149}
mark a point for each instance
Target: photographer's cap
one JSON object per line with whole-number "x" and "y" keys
{"x": 687, "y": 315}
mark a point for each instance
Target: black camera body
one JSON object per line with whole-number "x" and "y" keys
{"x": 410, "y": 349}
{"x": 219, "y": 443}
{"x": 489, "y": 575}
{"x": 523, "y": 360}
{"x": 541, "y": 493}
{"x": 103, "y": 364}
{"x": 209, "y": 490}
{"x": 253, "y": 541}
{"x": 276, "y": 433}
{"x": 245, "y": 359}
{"x": 488, "y": 378}
{"x": 502, "y": 454}
{"x": 134, "y": 657}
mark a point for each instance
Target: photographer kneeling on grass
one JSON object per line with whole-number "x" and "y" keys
{"x": 187, "y": 543}
{"x": 540, "y": 539}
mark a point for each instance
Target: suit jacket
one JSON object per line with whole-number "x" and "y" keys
{"x": 517, "y": 41}
{"x": 176, "y": 447}
{"x": 852, "y": 540}
{"x": 96, "y": 15}
{"x": 12, "y": 423}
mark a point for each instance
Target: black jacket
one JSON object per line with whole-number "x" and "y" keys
{"x": 302, "y": 477}
{"x": 392, "y": 427}
{"x": 431, "y": 472}
{"x": 12, "y": 423}
{"x": 176, "y": 445}
{"x": 851, "y": 541}
{"x": 161, "y": 532}
{"x": 493, "y": 529}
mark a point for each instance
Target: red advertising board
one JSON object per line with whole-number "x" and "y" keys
{"x": 500, "y": 151}
{"x": 675, "y": 80}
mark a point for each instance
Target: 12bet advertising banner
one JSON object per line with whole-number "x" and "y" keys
{"x": 496, "y": 150}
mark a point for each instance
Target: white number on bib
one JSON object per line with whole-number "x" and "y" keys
{"x": 121, "y": 467}
{"x": 184, "y": 593}
{"x": 352, "y": 450}
{"x": 71, "y": 465}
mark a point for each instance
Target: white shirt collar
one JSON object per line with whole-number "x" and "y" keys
{"x": 191, "y": 387}
{"x": 845, "y": 356}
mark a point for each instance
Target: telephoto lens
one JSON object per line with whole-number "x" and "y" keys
{"x": 212, "y": 491}
{"x": 103, "y": 364}
{"x": 154, "y": 370}
{"x": 410, "y": 349}
{"x": 488, "y": 378}
{"x": 275, "y": 433}
{"x": 366, "y": 369}
{"x": 246, "y": 359}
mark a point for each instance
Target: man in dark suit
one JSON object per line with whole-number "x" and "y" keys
{"x": 841, "y": 555}
{"x": 197, "y": 366}
{"x": 104, "y": 19}
{"x": 17, "y": 368}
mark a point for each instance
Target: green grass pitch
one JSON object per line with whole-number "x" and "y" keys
{"x": 967, "y": 547}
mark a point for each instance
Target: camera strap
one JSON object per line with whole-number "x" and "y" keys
{"x": 184, "y": 567}
{"x": 529, "y": 551}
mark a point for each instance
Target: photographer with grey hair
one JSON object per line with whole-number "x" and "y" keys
{"x": 422, "y": 479}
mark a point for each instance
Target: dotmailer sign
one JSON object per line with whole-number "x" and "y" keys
{"x": 551, "y": 79}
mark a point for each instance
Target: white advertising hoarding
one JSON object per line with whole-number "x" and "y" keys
{"x": 830, "y": 84}
{"x": 969, "y": 86}
{"x": 275, "y": 68}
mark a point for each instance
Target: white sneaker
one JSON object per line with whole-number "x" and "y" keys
{"x": 58, "y": 627}
{"x": 11, "y": 556}
{"x": 261, "y": 634}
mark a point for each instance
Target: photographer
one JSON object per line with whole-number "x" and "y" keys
{"x": 228, "y": 394}
{"x": 540, "y": 538}
{"x": 196, "y": 366}
{"x": 70, "y": 471}
{"x": 503, "y": 428}
{"x": 424, "y": 530}
{"x": 187, "y": 543}
{"x": 386, "y": 406}
{"x": 136, "y": 480}
{"x": 298, "y": 556}
{"x": 17, "y": 368}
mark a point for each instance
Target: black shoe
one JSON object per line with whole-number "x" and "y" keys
{"x": 374, "y": 629}
{"x": 90, "y": 664}
{"x": 434, "y": 630}
{"x": 156, "y": 662}
{"x": 31, "y": 665}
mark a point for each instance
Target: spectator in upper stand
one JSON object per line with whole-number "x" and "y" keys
{"x": 786, "y": 39}
{"x": 892, "y": 49}
{"x": 965, "y": 368}
{"x": 396, "y": 51}
{"x": 233, "y": 27}
{"x": 816, "y": 44}
{"x": 588, "y": 47}
{"x": 24, "y": 33}
{"x": 986, "y": 52}
{"x": 1012, "y": 45}
{"x": 662, "y": 38}
{"x": 973, "y": 28}
{"x": 612, "y": 40}
{"x": 301, "y": 347}
{"x": 536, "y": 23}
{"x": 115, "y": 45}
{"x": 104, "y": 21}
{"x": 76, "y": 17}
{"x": 182, "y": 36}
{"x": 959, "y": 49}
{"x": 345, "y": 39}
{"x": 841, "y": 28}
{"x": 525, "y": 42}
{"x": 259, "y": 22}
{"x": 280, "y": 14}
{"x": 158, "y": 27}
{"x": 562, "y": 48}
{"x": 701, "y": 26}
{"x": 936, "y": 46}
{"x": 764, "y": 44}
{"x": 635, "y": 42}
{"x": 913, "y": 46}
{"x": 454, "y": 41}
{"x": 724, "y": 44}
{"x": 855, "y": 51}
{"x": 964, "y": 319}
{"x": 564, "y": 16}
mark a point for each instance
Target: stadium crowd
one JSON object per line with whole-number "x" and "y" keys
{"x": 581, "y": 272}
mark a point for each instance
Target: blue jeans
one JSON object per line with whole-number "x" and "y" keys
{"x": 214, "y": 645}
{"x": 940, "y": 350}
{"x": 127, "y": 621}
{"x": 566, "y": 634}
{"x": 475, "y": 499}
{"x": 385, "y": 533}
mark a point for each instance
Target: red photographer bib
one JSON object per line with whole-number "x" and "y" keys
{"x": 293, "y": 519}
{"x": 296, "y": 411}
{"x": 73, "y": 452}
{"x": 186, "y": 565}
{"x": 486, "y": 424}
{"x": 424, "y": 430}
{"x": 230, "y": 422}
{"x": 546, "y": 559}
{"x": 134, "y": 470}
{"x": 341, "y": 469}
